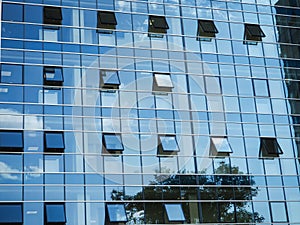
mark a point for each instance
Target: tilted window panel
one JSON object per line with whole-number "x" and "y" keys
{"x": 269, "y": 147}
{"x": 167, "y": 145}
{"x": 54, "y": 142}
{"x": 106, "y": 20}
{"x": 157, "y": 24}
{"x": 174, "y": 212}
{"x": 11, "y": 213}
{"x": 162, "y": 82}
{"x": 109, "y": 79}
{"x": 11, "y": 140}
{"x": 55, "y": 213}
{"x": 206, "y": 29}
{"x": 52, "y": 15}
{"x": 116, "y": 213}
{"x": 219, "y": 147}
{"x": 112, "y": 143}
{"x": 53, "y": 76}
{"x": 253, "y": 33}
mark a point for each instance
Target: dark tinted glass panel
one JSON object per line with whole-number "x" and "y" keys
{"x": 113, "y": 142}
{"x": 169, "y": 143}
{"x": 159, "y": 22}
{"x": 254, "y": 30}
{"x": 55, "y": 213}
{"x": 53, "y": 76}
{"x": 107, "y": 18}
{"x": 174, "y": 212}
{"x": 11, "y": 213}
{"x": 52, "y": 15}
{"x": 54, "y": 141}
{"x": 270, "y": 147}
{"x": 11, "y": 140}
{"x": 11, "y": 74}
{"x": 207, "y": 26}
{"x": 12, "y": 12}
{"x": 116, "y": 213}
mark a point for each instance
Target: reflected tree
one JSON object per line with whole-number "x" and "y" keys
{"x": 223, "y": 197}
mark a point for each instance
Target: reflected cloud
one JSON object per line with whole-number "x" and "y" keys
{"x": 6, "y": 172}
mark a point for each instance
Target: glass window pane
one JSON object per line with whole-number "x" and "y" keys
{"x": 278, "y": 212}
{"x": 116, "y": 213}
{"x": 169, "y": 143}
{"x": 222, "y": 145}
{"x": 11, "y": 139}
{"x": 55, "y": 213}
{"x": 11, "y": 213}
{"x": 113, "y": 142}
{"x": 163, "y": 80}
{"x": 11, "y": 74}
{"x": 12, "y": 12}
{"x": 54, "y": 141}
{"x": 174, "y": 212}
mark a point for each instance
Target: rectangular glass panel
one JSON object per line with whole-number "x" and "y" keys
{"x": 11, "y": 213}
{"x": 163, "y": 80}
{"x": 55, "y": 213}
{"x": 54, "y": 140}
{"x": 116, "y": 213}
{"x": 12, "y": 74}
{"x": 110, "y": 77}
{"x": 113, "y": 142}
{"x": 278, "y": 212}
{"x": 222, "y": 145}
{"x": 10, "y": 139}
{"x": 174, "y": 212}
{"x": 169, "y": 143}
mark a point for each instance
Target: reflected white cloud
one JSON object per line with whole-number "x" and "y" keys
{"x": 6, "y": 172}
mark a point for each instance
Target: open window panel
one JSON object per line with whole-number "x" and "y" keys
{"x": 106, "y": 22}
{"x": 162, "y": 83}
{"x": 206, "y": 30}
{"x": 54, "y": 142}
{"x": 11, "y": 213}
{"x": 269, "y": 148}
{"x": 11, "y": 141}
{"x": 253, "y": 34}
{"x": 174, "y": 213}
{"x": 52, "y": 17}
{"x": 116, "y": 213}
{"x": 278, "y": 212}
{"x": 167, "y": 145}
{"x": 109, "y": 79}
{"x": 112, "y": 143}
{"x": 219, "y": 147}
{"x": 55, "y": 214}
{"x": 53, "y": 76}
{"x": 157, "y": 26}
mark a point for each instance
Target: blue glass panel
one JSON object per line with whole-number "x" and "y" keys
{"x": 169, "y": 143}
{"x": 12, "y": 12}
{"x": 111, "y": 77}
{"x": 113, "y": 142}
{"x": 55, "y": 213}
{"x": 174, "y": 212}
{"x": 11, "y": 213}
{"x": 11, "y": 74}
{"x": 116, "y": 213}
{"x": 11, "y": 139}
{"x": 54, "y": 140}
{"x": 52, "y": 74}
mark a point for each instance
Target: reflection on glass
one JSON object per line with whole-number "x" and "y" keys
{"x": 174, "y": 212}
{"x": 116, "y": 213}
{"x": 55, "y": 213}
{"x": 11, "y": 214}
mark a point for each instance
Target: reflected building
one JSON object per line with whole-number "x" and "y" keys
{"x": 149, "y": 112}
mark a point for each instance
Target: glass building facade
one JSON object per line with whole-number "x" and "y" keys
{"x": 149, "y": 112}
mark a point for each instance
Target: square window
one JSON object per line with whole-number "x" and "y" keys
{"x": 206, "y": 30}
{"x": 167, "y": 145}
{"x": 106, "y": 20}
{"x": 109, "y": 79}
{"x": 12, "y": 12}
{"x": 54, "y": 142}
{"x": 11, "y": 74}
{"x": 174, "y": 213}
{"x": 162, "y": 82}
{"x": 116, "y": 213}
{"x": 261, "y": 87}
{"x": 157, "y": 24}
{"x": 253, "y": 34}
{"x": 52, "y": 15}
{"x": 219, "y": 146}
{"x": 11, "y": 141}
{"x": 269, "y": 147}
{"x": 55, "y": 213}
{"x": 112, "y": 143}
{"x": 11, "y": 213}
{"x": 278, "y": 212}
{"x": 53, "y": 76}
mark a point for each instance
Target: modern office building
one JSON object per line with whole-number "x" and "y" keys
{"x": 149, "y": 112}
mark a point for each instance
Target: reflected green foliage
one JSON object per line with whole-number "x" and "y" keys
{"x": 232, "y": 192}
